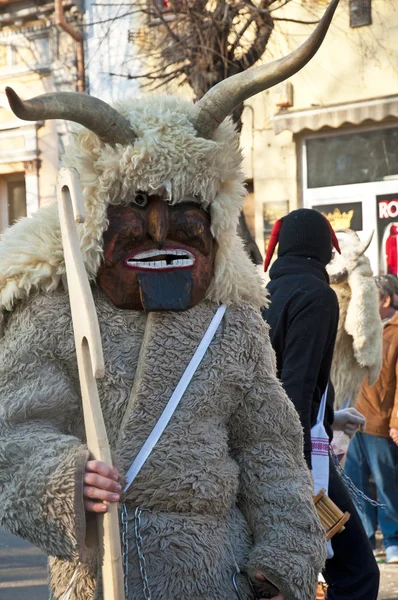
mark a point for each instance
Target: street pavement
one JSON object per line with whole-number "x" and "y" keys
{"x": 23, "y": 572}
{"x": 389, "y": 582}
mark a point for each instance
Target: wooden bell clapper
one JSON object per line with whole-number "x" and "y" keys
{"x": 331, "y": 517}
{"x": 91, "y": 367}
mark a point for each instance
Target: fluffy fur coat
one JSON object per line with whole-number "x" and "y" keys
{"x": 226, "y": 483}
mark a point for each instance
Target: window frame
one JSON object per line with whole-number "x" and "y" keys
{"x": 334, "y": 133}
{"x": 4, "y": 180}
{"x": 366, "y": 193}
{"x": 10, "y": 41}
{"x": 360, "y": 13}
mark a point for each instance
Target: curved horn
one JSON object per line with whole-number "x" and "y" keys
{"x": 96, "y": 115}
{"x": 365, "y": 245}
{"x": 223, "y": 98}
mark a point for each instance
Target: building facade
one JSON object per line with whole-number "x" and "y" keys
{"x": 37, "y": 55}
{"x": 111, "y": 55}
{"x": 327, "y": 139}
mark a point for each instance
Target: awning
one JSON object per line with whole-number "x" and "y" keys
{"x": 336, "y": 115}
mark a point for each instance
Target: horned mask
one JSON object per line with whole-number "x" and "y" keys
{"x": 353, "y": 255}
{"x": 163, "y": 190}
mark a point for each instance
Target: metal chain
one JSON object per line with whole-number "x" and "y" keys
{"x": 356, "y": 494}
{"x": 140, "y": 551}
{"x": 124, "y": 529}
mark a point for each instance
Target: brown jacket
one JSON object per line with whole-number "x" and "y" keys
{"x": 379, "y": 402}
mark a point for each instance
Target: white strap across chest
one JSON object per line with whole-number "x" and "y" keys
{"x": 174, "y": 401}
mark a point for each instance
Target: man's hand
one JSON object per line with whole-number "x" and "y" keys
{"x": 261, "y": 578}
{"x": 101, "y": 485}
{"x": 394, "y": 435}
{"x": 348, "y": 420}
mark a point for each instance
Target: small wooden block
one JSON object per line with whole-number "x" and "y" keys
{"x": 339, "y": 527}
{"x": 319, "y": 495}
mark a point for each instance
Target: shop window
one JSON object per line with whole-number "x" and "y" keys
{"x": 12, "y": 199}
{"x": 358, "y": 157}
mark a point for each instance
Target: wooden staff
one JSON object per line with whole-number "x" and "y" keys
{"x": 90, "y": 362}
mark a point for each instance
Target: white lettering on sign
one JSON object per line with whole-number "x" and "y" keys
{"x": 388, "y": 209}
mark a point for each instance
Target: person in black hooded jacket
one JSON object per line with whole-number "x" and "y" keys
{"x": 303, "y": 316}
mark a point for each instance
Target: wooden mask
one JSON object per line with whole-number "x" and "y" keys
{"x": 157, "y": 256}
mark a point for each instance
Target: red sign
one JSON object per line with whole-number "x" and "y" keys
{"x": 388, "y": 209}
{"x": 387, "y": 217}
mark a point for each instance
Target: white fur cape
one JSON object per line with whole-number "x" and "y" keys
{"x": 358, "y": 349}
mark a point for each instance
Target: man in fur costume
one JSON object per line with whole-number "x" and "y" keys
{"x": 358, "y": 349}
{"x": 226, "y": 486}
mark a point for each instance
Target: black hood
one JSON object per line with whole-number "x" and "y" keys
{"x": 305, "y": 232}
{"x": 298, "y": 265}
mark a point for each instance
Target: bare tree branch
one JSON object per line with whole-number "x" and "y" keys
{"x": 155, "y": 76}
{"x": 296, "y": 21}
{"x": 239, "y": 36}
{"x": 202, "y": 42}
{"x": 160, "y": 16}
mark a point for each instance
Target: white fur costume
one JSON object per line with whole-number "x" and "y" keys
{"x": 358, "y": 349}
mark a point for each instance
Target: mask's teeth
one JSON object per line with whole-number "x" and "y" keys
{"x": 160, "y": 264}
{"x": 182, "y": 262}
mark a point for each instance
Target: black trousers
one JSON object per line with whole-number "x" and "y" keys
{"x": 352, "y": 573}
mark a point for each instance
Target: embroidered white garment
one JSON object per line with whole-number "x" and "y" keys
{"x": 320, "y": 455}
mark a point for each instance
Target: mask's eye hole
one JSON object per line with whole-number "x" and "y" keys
{"x": 140, "y": 199}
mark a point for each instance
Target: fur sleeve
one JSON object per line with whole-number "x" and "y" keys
{"x": 275, "y": 493}
{"x": 41, "y": 461}
{"x": 363, "y": 323}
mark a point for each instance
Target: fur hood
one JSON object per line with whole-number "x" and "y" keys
{"x": 167, "y": 157}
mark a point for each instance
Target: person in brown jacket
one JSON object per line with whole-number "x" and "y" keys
{"x": 375, "y": 452}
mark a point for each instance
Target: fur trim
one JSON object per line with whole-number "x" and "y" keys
{"x": 168, "y": 157}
